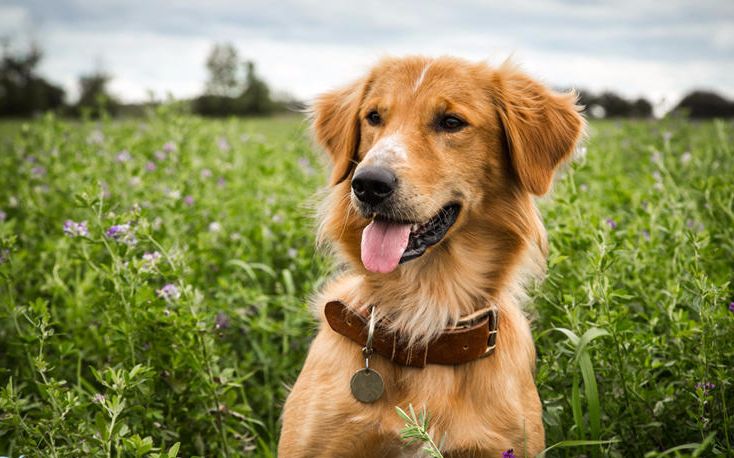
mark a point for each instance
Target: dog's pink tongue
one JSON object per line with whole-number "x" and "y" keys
{"x": 383, "y": 243}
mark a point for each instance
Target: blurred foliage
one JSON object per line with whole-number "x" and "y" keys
{"x": 22, "y": 91}
{"x": 705, "y": 105}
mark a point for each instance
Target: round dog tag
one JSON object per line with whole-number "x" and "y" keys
{"x": 367, "y": 385}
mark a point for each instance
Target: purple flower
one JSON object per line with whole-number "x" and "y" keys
{"x": 122, "y": 233}
{"x": 3, "y": 216}
{"x": 169, "y": 147}
{"x": 189, "y": 200}
{"x": 123, "y": 156}
{"x": 508, "y": 453}
{"x": 221, "y": 182}
{"x": 705, "y": 387}
{"x": 731, "y": 306}
{"x": 160, "y": 156}
{"x": 611, "y": 223}
{"x": 221, "y": 321}
{"x": 305, "y": 165}
{"x": 98, "y": 398}
{"x": 74, "y": 229}
{"x": 150, "y": 166}
{"x": 38, "y": 171}
{"x": 169, "y": 292}
{"x": 223, "y": 144}
{"x": 646, "y": 234}
{"x": 150, "y": 260}
{"x": 95, "y": 137}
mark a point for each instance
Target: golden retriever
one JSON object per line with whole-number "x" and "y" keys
{"x": 430, "y": 208}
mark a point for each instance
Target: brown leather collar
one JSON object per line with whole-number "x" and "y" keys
{"x": 473, "y": 337}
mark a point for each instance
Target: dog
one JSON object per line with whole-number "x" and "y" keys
{"x": 430, "y": 209}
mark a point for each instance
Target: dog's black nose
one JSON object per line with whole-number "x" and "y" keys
{"x": 374, "y": 184}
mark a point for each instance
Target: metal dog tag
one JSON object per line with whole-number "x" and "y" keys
{"x": 367, "y": 385}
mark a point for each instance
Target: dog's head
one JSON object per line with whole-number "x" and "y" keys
{"x": 422, "y": 148}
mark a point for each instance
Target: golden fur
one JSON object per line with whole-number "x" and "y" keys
{"x": 518, "y": 133}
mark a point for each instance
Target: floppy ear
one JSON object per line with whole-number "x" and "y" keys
{"x": 541, "y": 127}
{"x": 336, "y": 125}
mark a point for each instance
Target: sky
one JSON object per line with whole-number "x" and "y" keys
{"x": 656, "y": 49}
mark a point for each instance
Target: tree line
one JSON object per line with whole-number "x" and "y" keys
{"x": 234, "y": 88}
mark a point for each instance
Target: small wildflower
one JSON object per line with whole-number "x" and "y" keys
{"x": 611, "y": 223}
{"x": 277, "y": 218}
{"x": 583, "y": 187}
{"x": 169, "y": 147}
{"x": 292, "y": 253}
{"x": 646, "y": 234}
{"x": 244, "y": 138}
{"x": 95, "y": 137}
{"x": 13, "y": 202}
{"x": 656, "y": 158}
{"x": 123, "y": 156}
{"x": 221, "y": 321}
{"x": 174, "y": 194}
{"x": 305, "y": 165}
{"x": 221, "y": 182}
{"x": 705, "y": 387}
{"x": 189, "y": 200}
{"x": 169, "y": 292}
{"x": 31, "y": 159}
{"x": 235, "y": 236}
{"x": 667, "y": 135}
{"x": 150, "y": 166}
{"x": 508, "y": 453}
{"x": 215, "y": 227}
{"x": 38, "y": 171}
{"x": 98, "y": 398}
{"x": 731, "y": 306}
{"x": 3, "y": 216}
{"x": 150, "y": 260}
{"x": 206, "y": 173}
{"x": 135, "y": 181}
{"x": 74, "y": 229}
{"x": 122, "y": 233}
{"x": 160, "y": 156}
{"x": 223, "y": 144}
{"x": 685, "y": 158}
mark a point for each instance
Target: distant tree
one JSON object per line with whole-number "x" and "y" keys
{"x": 94, "y": 97}
{"x": 227, "y": 93}
{"x": 22, "y": 91}
{"x": 641, "y": 108}
{"x": 611, "y": 105}
{"x": 256, "y": 97}
{"x": 223, "y": 63}
{"x": 706, "y": 104}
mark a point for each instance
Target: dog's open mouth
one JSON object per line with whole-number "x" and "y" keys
{"x": 387, "y": 243}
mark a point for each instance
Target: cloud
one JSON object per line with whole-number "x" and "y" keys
{"x": 636, "y": 47}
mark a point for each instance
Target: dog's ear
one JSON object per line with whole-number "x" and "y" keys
{"x": 336, "y": 125}
{"x": 541, "y": 127}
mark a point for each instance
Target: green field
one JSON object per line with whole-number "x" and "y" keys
{"x": 177, "y": 314}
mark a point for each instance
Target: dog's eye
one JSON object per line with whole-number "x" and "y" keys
{"x": 374, "y": 118}
{"x": 450, "y": 123}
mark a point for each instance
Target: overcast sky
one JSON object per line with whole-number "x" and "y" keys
{"x": 657, "y": 49}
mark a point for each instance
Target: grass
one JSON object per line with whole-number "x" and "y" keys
{"x": 179, "y": 333}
